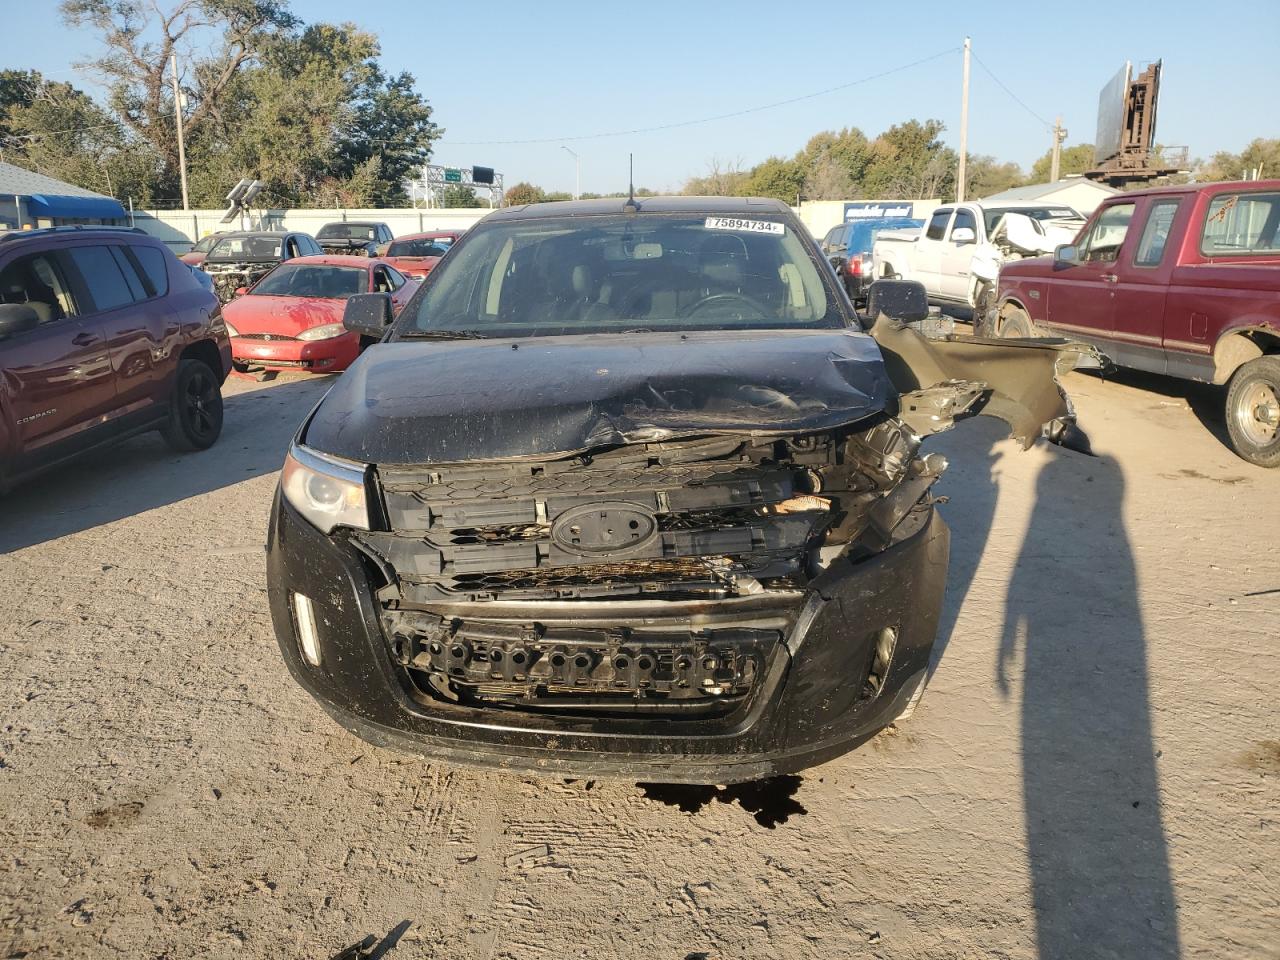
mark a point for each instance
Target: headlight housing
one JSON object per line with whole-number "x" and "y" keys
{"x": 326, "y": 332}
{"x": 327, "y": 491}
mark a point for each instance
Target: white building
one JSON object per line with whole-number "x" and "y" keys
{"x": 1084, "y": 195}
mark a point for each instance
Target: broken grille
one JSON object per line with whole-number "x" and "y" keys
{"x": 698, "y": 518}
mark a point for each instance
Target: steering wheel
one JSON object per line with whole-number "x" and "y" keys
{"x": 717, "y": 299}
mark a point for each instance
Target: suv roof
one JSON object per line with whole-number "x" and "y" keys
{"x": 720, "y": 206}
{"x": 73, "y": 229}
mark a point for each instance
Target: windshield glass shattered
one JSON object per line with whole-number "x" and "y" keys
{"x": 616, "y": 273}
{"x": 332, "y": 283}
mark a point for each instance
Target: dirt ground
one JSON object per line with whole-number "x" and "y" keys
{"x": 1094, "y": 772}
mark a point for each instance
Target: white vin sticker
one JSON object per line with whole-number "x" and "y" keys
{"x": 750, "y": 226}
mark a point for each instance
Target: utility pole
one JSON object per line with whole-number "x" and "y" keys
{"x": 964, "y": 126}
{"x": 577, "y": 172}
{"x": 1059, "y": 134}
{"x": 177, "y": 120}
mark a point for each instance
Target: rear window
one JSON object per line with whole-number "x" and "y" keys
{"x": 155, "y": 265}
{"x": 348, "y": 231}
{"x": 433, "y": 247}
{"x": 1242, "y": 224}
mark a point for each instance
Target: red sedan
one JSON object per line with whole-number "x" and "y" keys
{"x": 417, "y": 254}
{"x": 291, "y": 319}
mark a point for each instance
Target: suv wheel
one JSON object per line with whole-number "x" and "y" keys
{"x": 195, "y": 410}
{"x": 1253, "y": 411}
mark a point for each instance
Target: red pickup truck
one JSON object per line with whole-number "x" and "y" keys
{"x": 1183, "y": 281}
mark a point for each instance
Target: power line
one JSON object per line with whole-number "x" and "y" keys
{"x": 1016, "y": 99}
{"x": 691, "y": 123}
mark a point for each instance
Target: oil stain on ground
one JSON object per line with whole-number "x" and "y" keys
{"x": 771, "y": 801}
{"x": 116, "y": 815}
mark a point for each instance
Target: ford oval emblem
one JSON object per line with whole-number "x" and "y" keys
{"x": 604, "y": 528}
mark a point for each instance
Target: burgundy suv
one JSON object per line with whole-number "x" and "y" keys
{"x": 103, "y": 334}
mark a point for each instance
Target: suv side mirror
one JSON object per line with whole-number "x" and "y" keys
{"x": 17, "y": 318}
{"x": 241, "y": 291}
{"x": 1066, "y": 253}
{"x": 963, "y": 235}
{"x": 368, "y": 314}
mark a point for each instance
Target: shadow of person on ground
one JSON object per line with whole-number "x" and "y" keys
{"x": 1099, "y": 860}
{"x": 972, "y": 486}
{"x": 143, "y": 473}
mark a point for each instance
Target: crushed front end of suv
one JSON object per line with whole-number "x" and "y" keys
{"x": 628, "y": 490}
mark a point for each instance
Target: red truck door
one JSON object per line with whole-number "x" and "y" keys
{"x": 1142, "y": 284}
{"x": 1082, "y": 294}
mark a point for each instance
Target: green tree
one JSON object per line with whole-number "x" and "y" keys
{"x": 58, "y": 130}
{"x": 909, "y": 161}
{"x": 522, "y": 193}
{"x": 457, "y": 195}
{"x": 139, "y": 39}
{"x": 1074, "y": 160}
{"x": 1261, "y": 154}
{"x": 776, "y": 177}
{"x": 987, "y": 176}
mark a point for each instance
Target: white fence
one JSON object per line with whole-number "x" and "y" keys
{"x": 181, "y": 228}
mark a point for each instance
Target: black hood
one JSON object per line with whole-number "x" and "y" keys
{"x": 460, "y": 400}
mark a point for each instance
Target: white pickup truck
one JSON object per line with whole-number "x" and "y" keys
{"x": 957, "y": 255}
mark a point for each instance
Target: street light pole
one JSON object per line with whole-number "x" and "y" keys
{"x": 962, "y": 172}
{"x": 577, "y": 172}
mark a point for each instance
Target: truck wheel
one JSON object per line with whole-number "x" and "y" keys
{"x": 1253, "y": 411}
{"x": 195, "y": 410}
{"x": 984, "y": 311}
{"x": 1015, "y": 324}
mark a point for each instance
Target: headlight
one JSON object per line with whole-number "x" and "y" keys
{"x": 328, "y": 331}
{"x": 231, "y": 331}
{"x": 327, "y": 491}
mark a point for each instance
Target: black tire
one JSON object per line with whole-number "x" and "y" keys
{"x": 984, "y": 311}
{"x": 195, "y": 409}
{"x": 1015, "y": 324}
{"x": 1253, "y": 411}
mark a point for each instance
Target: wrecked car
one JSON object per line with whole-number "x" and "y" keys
{"x": 239, "y": 260}
{"x": 627, "y": 490}
{"x": 355, "y": 238}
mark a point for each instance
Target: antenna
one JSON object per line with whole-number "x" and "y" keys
{"x": 631, "y": 204}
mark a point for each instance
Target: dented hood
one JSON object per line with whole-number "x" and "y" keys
{"x": 459, "y": 400}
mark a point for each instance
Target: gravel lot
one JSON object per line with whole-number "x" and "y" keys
{"x": 1095, "y": 771}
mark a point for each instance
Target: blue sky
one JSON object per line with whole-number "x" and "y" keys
{"x": 550, "y": 70}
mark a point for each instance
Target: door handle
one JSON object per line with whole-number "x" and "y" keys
{"x": 1109, "y": 277}
{"x": 83, "y": 339}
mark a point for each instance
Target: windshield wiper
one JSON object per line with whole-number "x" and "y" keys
{"x": 443, "y": 335}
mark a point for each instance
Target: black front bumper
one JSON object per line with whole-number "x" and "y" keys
{"x": 808, "y": 706}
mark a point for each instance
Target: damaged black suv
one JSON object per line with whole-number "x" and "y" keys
{"x": 627, "y": 490}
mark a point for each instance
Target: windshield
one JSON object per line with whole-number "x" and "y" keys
{"x": 348, "y": 231}
{"x": 247, "y": 248}
{"x": 312, "y": 280}
{"x": 204, "y": 243}
{"x": 421, "y": 247}
{"x": 547, "y": 277}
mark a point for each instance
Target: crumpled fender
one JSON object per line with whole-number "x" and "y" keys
{"x": 1013, "y": 380}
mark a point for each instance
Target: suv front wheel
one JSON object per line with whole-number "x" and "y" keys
{"x": 195, "y": 410}
{"x": 1253, "y": 411}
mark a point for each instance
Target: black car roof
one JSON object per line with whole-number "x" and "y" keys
{"x": 715, "y": 206}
